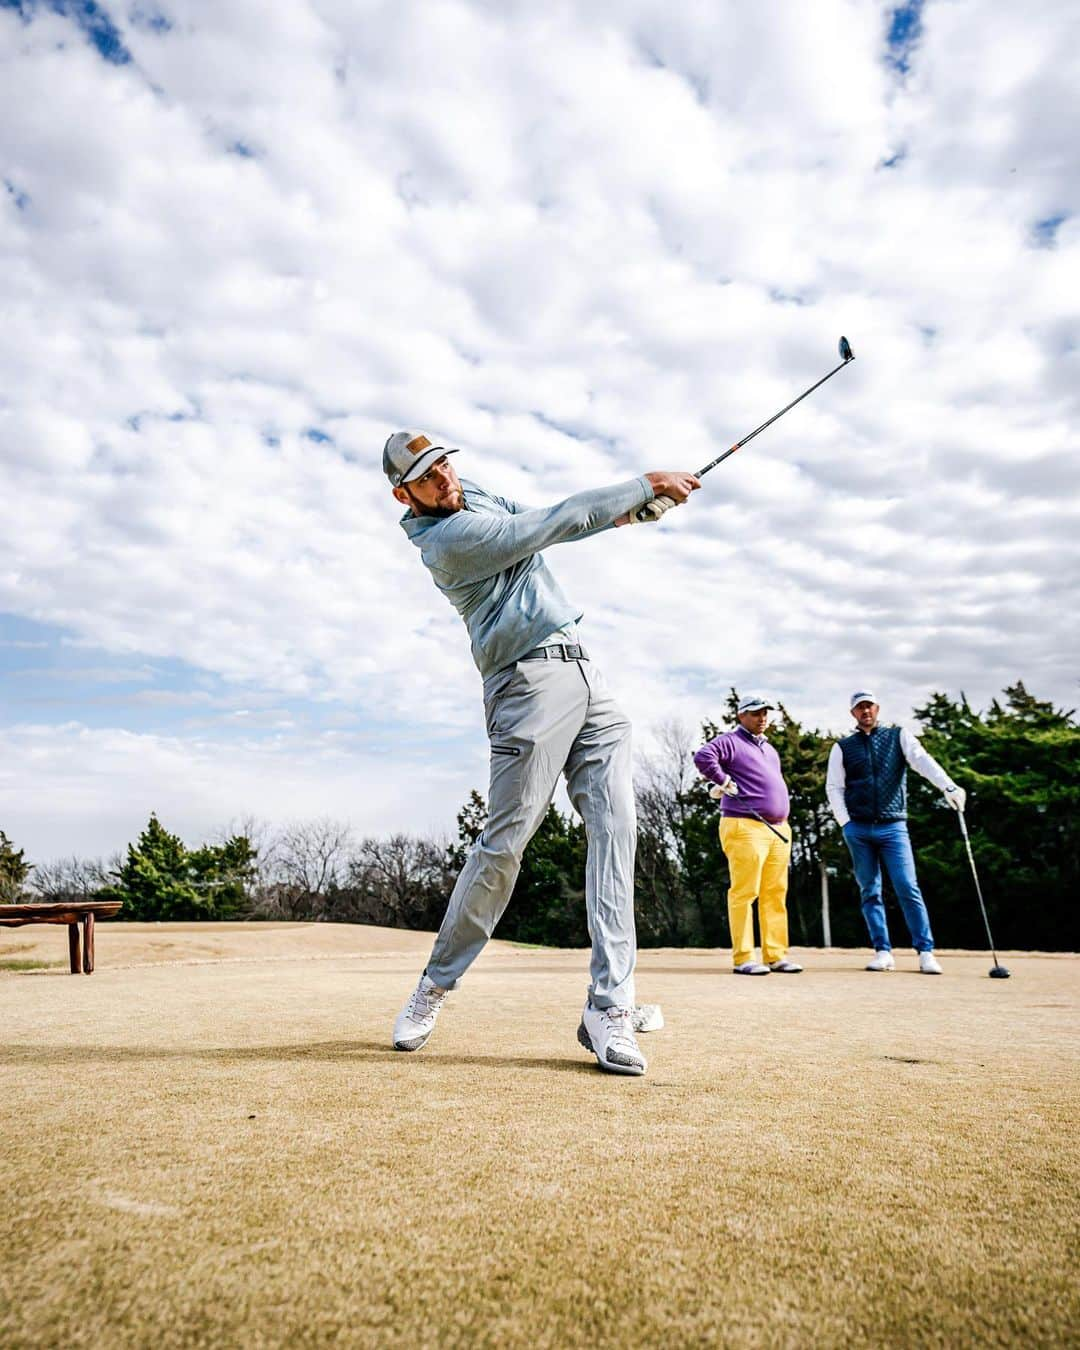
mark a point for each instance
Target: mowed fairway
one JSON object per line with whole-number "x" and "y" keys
{"x": 228, "y": 1153}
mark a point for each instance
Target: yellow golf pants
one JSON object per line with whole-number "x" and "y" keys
{"x": 758, "y": 862}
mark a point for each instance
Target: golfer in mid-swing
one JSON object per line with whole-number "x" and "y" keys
{"x": 547, "y": 710}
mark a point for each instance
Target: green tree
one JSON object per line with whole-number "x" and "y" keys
{"x": 547, "y": 904}
{"x": 470, "y": 821}
{"x": 681, "y": 875}
{"x": 163, "y": 880}
{"x": 820, "y": 862}
{"x": 14, "y": 869}
{"x": 1020, "y": 764}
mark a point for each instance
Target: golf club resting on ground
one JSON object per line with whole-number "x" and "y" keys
{"x": 548, "y": 712}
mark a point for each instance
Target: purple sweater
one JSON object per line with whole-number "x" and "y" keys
{"x": 755, "y": 766}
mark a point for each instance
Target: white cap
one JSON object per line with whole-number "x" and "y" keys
{"x": 754, "y": 704}
{"x": 861, "y": 696}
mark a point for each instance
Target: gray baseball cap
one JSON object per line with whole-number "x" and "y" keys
{"x": 861, "y": 696}
{"x": 408, "y": 454}
{"x": 754, "y": 703}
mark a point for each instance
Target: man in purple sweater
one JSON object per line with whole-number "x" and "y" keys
{"x": 745, "y": 772}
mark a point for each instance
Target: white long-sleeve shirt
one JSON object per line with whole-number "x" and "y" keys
{"x": 917, "y": 758}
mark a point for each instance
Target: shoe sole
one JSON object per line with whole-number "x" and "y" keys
{"x": 417, "y": 1043}
{"x": 630, "y": 1067}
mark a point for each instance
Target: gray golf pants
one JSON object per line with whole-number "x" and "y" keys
{"x": 544, "y": 718}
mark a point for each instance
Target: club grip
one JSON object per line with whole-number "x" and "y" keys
{"x": 653, "y": 510}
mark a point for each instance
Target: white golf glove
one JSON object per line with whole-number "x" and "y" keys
{"x": 956, "y": 797}
{"x": 728, "y": 789}
{"x": 651, "y": 511}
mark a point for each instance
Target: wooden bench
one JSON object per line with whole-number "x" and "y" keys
{"x": 84, "y": 912}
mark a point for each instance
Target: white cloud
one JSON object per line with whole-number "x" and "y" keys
{"x": 581, "y": 242}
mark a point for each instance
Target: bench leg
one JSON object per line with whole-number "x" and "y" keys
{"x": 88, "y": 944}
{"x": 73, "y": 948}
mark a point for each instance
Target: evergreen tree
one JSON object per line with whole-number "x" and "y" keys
{"x": 547, "y": 905}
{"x": 817, "y": 845}
{"x": 162, "y": 880}
{"x": 470, "y": 821}
{"x": 1020, "y": 764}
{"x": 14, "y": 869}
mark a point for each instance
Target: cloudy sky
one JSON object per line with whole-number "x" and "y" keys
{"x": 241, "y": 242}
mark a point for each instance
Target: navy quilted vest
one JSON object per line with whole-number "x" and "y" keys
{"x": 875, "y": 770}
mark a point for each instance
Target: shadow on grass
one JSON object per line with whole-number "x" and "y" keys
{"x": 328, "y": 1051}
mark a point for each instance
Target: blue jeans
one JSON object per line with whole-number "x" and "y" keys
{"x": 870, "y": 846}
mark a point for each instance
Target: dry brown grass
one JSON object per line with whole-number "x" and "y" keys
{"x": 227, "y": 1153}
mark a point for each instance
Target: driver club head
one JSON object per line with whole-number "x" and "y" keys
{"x": 998, "y": 973}
{"x": 846, "y": 354}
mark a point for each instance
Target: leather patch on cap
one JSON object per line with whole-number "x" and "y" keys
{"x": 417, "y": 444}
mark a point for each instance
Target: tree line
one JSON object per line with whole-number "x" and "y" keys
{"x": 1019, "y": 761}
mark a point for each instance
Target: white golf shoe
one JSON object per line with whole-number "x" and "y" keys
{"x": 881, "y": 961}
{"x": 416, "y": 1021}
{"x": 752, "y": 968}
{"x": 647, "y": 1017}
{"x": 929, "y": 964}
{"x": 785, "y": 967}
{"x": 608, "y": 1033}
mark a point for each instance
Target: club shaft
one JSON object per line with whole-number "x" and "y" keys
{"x": 767, "y": 825}
{"x": 739, "y": 444}
{"x": 978, "y": 888}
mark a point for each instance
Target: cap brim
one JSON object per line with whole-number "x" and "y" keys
{"x": 425, "y": 461}
{"x": 759, "y": 707}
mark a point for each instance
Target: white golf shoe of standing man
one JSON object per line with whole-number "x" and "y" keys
{"x": 547, "y": 711}
{"x": 866, "y": 784}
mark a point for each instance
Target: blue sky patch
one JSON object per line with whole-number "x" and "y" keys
{"x": 20, "y": 198}
{"x": 150, "y": 18}
{"x": 905, "y": 29}
{"x": 91, "y": 18}
{"x": 1044, "y": 232}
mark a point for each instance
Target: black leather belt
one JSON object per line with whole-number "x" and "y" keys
{"x": 557, "y": 651}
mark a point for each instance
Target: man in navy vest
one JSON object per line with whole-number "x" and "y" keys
{"x": 866, "y": 786}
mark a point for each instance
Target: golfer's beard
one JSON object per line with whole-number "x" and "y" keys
{"x": 439, "y": 512}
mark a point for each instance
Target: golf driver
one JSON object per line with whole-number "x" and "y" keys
{"x": 997, "y": 970}
{"x": 766, "y": 823}
{"x": 655, "y": 509}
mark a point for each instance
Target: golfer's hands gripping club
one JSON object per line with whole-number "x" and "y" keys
{"x": 671, "y": 489}
{"x": 728, "y": 789}
{"x": 956, "y": 797}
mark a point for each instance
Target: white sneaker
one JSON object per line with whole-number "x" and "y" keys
{"x": 416, "y": 1021}
{"x": 608, "y": 1033}
{"x": 785, "y": 967}
{"x": 882, "y": 961}
{"x": 647, "y": 1017}
{"x": 929, "y": 964}
{"x": 751, "y": 968}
